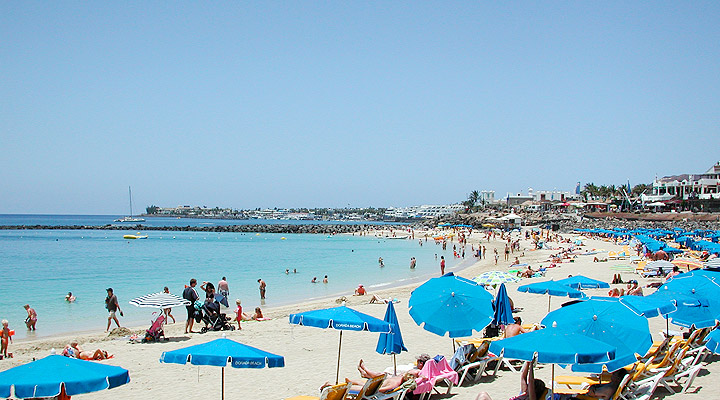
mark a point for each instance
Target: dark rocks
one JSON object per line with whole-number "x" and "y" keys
{"x": 326, "y": 229}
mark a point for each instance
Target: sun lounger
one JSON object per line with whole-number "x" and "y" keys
{"x": 396, "y": 394}
{"x": 369, "y": 389}
{"x": 335, "y": 392}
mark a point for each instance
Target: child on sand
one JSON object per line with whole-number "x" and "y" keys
{"x": 238, "y": 313}
{"x": 5, "y": 337}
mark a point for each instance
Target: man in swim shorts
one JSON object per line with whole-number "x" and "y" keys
{"x": 262, "y": 289}
{"x": 111, "y": 303}
{"x": 190, "y": 295}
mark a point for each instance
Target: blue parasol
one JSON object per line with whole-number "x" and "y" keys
{"x": 391, "y": 343}
{"x": 713, "y": 341}
{"x": 341, "y": 318}
{"x": 551, "y": 288}
{"x": 555, "y": 346}
{"x": 583, "y": 282}
{"x": 503, "y": 309}
{"x": 697, "y": 298}
{"x": 608, "y": 321}
{"x": 451, "y": 304}
{"x": 220, "y": 353}
{"x": 48, "y": 376}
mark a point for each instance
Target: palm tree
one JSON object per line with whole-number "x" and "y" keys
{"x": 473, "y": 197}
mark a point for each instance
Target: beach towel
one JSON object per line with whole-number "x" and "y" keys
{"x": 432, "y": 372}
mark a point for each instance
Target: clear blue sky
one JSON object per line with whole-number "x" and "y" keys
{"x": 330, "y": 104}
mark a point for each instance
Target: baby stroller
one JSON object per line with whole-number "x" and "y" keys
{"x": 214, "y": 319}
{"x": 155, "y": 332}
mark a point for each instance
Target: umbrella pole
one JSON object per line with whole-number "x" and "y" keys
{"x": 552, "y": 383}
{"x": 223, "y": 384}
{"x": 337, "y": 374}
{"x": 549, "y": 297}
{"x": 394, "y": 365}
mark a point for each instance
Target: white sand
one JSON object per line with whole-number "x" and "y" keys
{"x": 311, "y": 353}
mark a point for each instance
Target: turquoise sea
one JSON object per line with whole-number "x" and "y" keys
{"x": 39, "y": 267}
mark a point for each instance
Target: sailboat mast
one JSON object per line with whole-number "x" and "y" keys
{"x": 130, "y": 193}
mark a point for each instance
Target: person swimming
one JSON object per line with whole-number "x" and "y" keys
{"x": 69, "y": 298}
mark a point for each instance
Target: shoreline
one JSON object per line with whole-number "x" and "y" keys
{"x": 461, "y": 266}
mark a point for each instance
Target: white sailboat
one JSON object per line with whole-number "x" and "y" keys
{"x": 130, "y": 218}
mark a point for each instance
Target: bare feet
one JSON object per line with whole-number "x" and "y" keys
{"x": 361, "y": 366}
{"x": 324, "y": 385}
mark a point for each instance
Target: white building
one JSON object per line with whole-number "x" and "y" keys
{"x": 704, "y": 186}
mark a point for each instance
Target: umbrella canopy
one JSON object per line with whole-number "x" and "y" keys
{"x": 687, "y": 264}
{"x": 551, "y": 288}
{"x": 609, "y": 322}
{"x": 665, "y": 265}
{"x": 713, "y": 341}
{"x": 697, "y": 298}
{"x": 503, "y": 309}
{"x": 646, "y": 306}
{"x": 495, "y": 278}
{"x": 159, "y": 300}
{"x": 47, "y": 376}
{"x": 583, "y": 282}
{"x": 391, "y": 343}
{"x": 555, "y": 346}
{"x": 341, "y": 318}
{"x": 451, "y": 304}
{"x": 220, "y": 353}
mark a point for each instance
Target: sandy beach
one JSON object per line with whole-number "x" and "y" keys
{"x": 311, "y": 353}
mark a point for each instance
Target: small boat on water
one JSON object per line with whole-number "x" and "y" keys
{"x": 137, "y": 236}
{"x": 130, "y": 218}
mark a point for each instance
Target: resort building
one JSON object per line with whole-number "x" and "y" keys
{"x": 705, "y": 186}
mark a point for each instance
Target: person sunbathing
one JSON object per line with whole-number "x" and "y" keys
{"x": 606, "y": 391}
{"x": 528, "y": 273}
{"x": 377, "y": 299}
{"x": 73, "y": 350}
{"x": 530, "y": 388}
{"x": 515, "y": 328}
{"x": 389, "y": 384}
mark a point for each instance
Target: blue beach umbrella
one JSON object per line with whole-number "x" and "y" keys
{"x": 697, "y": 298}
{"x": 551, "y": 288}
{"x": 583, "y": 282}
{"x": 48, "y": 376}
{"x": 391, "y": 343}
{"x": 503, "y": 309}
{"x": 608, "y": 321}
{"x": 554, "y": 346}
{"x": 713, "y": 341}
{"x": 646, "y": 306}
{"x": 341, "y": 318}
{"x": 220, "y": 353}
{"x": 451, "y": 304}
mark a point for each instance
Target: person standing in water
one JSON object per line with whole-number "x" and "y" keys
{"x": 412, "y": 262}
{"x": 442, "y": 265}
{"x": 223, "y": 287}
{"x": 262, "y": 289}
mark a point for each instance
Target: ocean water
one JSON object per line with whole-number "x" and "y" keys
{"x": 39, "y": 267}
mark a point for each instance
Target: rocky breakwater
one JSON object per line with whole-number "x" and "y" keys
{"x": 326, "y": 229}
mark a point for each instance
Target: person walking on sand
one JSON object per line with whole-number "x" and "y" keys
{"x": 262, "y": 289}
{"x": 190, "y": 294}
{"x": 31, "y": 319}
{"x": 442, "y": 265}
{"x": 111, "y": 303}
